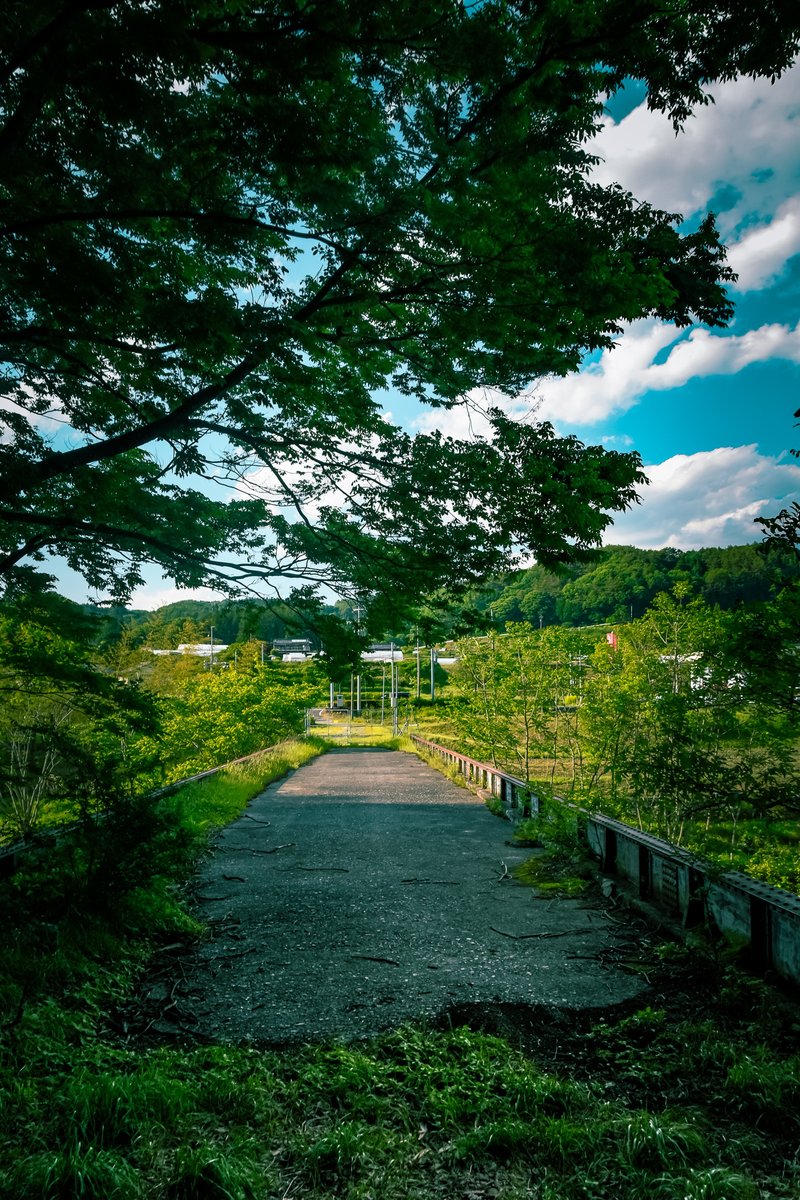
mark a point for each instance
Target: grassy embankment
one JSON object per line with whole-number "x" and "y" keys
{"x": 694, "y": 1097}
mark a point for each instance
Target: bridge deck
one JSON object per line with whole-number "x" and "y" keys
{"x": 364, "y": 890}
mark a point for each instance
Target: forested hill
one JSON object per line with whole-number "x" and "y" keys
{"x": 623, "y": 581}
{"x": 620, "y": 583}
{"x": 192, "y": 621}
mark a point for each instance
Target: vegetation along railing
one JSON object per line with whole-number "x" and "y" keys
{"x": 514, "y": 793}
{"x": 750, "y": 913}
{"x": 11, "y": 854}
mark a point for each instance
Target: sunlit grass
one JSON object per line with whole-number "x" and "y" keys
{"x": 214, "y": 800}
{"x": 221, "y": 797}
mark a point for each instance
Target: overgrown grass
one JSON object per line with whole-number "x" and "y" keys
{"x": 214, "y": 801}
{"x": 418, "y": 1113}
{"x": 442, "y": 765}
{"x": 218, "y": 795}
{"x": 663, "y": 1104}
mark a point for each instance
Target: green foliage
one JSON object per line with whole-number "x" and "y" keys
{"x": 561, "y": 863}
{"x": 342, "y": 181}
{"x": 674, "y": 730}
{"x": 117, "y": 867}
{"x": 212, "y": 717}
{"x": 512, "y": 689}
{"x": 67, "y": 728}
{"x": 621, "y": 582}
{"x": 684, "y": 723}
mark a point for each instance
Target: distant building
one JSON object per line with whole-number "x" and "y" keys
{"x": 200, "y": 649}
{"x": 382, "y": 652}
{"x": 293, "y": 646}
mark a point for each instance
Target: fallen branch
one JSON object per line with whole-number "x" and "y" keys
{"x": 441, "y": 882}
{"x": 250, "y": 850}
{"x": 372, "y": 958}
{"x": 257, "y": 820}
{"x": 344, "y": 870}
{"x": 230, "y": 957}
{"x": 506, "y": 873}
{"x": 521, "y": 937}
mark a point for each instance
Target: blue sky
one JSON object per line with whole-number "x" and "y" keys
{"x": 709, "y": 411}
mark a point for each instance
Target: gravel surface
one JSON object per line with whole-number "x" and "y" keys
{"x": 366, "y": 889}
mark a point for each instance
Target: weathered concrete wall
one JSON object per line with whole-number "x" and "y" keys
{"x": 785, "y": 944}
{"x": 746, "y": 911}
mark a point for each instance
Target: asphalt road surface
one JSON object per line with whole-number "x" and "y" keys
{"x": 366, "y": 889}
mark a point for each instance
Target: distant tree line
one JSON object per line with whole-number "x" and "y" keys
{"x": 619, "y": 585}
{"x": 624, "y": 580}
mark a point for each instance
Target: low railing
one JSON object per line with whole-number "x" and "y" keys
{"x": 11, "y": 854}
{"x": 515, "y": 794}
{"x": 690, "y": 891}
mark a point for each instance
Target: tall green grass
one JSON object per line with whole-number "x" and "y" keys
{"x": 417, "y": 1113}
{"x": 208, "y": 803}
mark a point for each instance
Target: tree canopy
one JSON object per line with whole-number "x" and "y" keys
{"x": 226, "y": 228}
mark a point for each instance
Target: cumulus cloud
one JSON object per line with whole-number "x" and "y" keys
{"x": 151, "y": 597}
{"x": 634, "y": 367}
{"x": 468, "y": 421}
{"x": 744, "y": 149}
{"x": 708, "y": 499}
{"x": 759, "y": 257}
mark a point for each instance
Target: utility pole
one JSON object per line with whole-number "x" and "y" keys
{"x": 358, "y": 631}
{"x": 393, "y": 696}
{"x": 433, "y": 664}
{"x": 419, "y": 667}
{"x": 212, "y": 649}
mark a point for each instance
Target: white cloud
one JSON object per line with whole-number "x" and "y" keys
{"x": 759, "y": 257}
{"x": 612, "y": 384}
{"x": 467, "y": 420}
{"x": 708, "y": 499}
{"x": 48, "y": 424}
{"x": 150, "y": 596}
{"x": 623, "y": 374}
{"x": 748, "y": 139}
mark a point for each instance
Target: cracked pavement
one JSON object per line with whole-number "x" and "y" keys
{"x": 366, "y": 889}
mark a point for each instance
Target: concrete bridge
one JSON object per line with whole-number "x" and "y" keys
{"x": 366, "y": 889}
